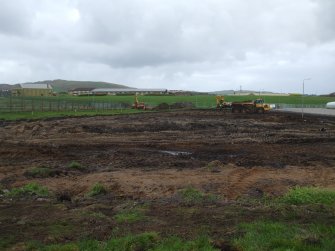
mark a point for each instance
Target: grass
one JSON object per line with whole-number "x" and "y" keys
{"x": 149, "y": 241}
{"x": 309, "y": 195}
{"x": 192, "y": 196}
{"x": 60, "y": 229}
{"x": 29, "y": 189}
{"x": 6, "y": 242}
{"x": 75, "y": 165}
{"x": 72, "y": 106}
{"x": 97, "y": 189}
{"x": 39, "y": 172}
{"x": 263, "y": 236}
{"x": 129, "y": 216}
{"x": 175, "y": 243}
{"x": 156, "y": 99}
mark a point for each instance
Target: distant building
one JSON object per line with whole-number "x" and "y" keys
{"x": 129, "y": 91}
{"x": 33, "y": 90}
{"x": 5, "y": 93}
{"x": 81, "y": 91}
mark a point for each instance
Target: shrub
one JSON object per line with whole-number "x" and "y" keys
{"x": 29, "y": 189}
{"x": 97, "y": 189}
{"x": 309, "y": 195}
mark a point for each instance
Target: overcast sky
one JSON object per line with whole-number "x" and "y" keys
{"x": 203, "y": 45}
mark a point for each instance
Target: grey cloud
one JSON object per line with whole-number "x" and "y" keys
{"x": 15, "y": 18}
{"x": 195, "y": 44}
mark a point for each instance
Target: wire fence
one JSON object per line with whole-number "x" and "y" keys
{"x": 13, "y": 104}
{"x": 284, "y": 106}
{"x": 31, "y": 104}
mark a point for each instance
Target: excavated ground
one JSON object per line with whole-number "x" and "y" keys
{"x": 145, "y": 159}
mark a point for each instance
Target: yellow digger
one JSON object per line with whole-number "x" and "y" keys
{"x": 221, "y": 104}
{"x": 137, "y": 104}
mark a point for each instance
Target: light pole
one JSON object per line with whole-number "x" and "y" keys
{"x": 302, "y": 97}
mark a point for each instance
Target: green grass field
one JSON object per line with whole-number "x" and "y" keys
{"x": 66, "y": 105}
{"x": 201, "y": 99}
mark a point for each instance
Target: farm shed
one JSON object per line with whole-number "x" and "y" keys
{"x": 130, "y": 91}
{"x": 81, "y": 91}
{"x": 33, "y": 90}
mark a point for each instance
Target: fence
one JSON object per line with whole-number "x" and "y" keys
{"x": 283, "y": 106}
{"x": 15, "y": 104}
{"x": 29, "y": 104}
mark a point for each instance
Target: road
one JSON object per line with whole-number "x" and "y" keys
{"x": 320, "y": 111}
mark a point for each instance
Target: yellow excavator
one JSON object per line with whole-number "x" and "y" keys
{"x": 137, "y": 104}
{"x": 221, "y": 104}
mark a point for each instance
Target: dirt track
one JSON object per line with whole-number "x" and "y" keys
{"x": 151, "y": 156}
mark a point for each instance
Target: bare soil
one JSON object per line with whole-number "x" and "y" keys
{"x": 145, "y": 159}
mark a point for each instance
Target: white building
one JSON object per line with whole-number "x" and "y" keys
{"x": 130, "y": 91}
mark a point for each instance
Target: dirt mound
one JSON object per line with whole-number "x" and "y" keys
{"x": 182, "y": 105}
{"x": 162, "y": 106}
{"x": 178, "y": 105}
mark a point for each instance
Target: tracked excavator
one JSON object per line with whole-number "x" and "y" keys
{"x": 137, "y": 104}
{"x": 221, "y": 104}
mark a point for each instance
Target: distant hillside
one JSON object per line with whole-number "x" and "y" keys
{"x": 243, "y": 92}
{"x": 8, "y": 87}
{"x": 66, "y": 85}
{"x": 225, "y": 92}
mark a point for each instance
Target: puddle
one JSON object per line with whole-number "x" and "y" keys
{"x": 176, "y": 153}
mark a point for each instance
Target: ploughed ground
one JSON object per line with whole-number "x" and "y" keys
{"x": 145, "y": 160}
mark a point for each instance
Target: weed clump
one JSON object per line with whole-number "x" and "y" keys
{"x": 191, "y": 196}
{"x": 29, "y": 189}
{"x": 309, "y": 195}
{"x": 39, "y": 172}
{"x": 75, "y": 165}
{"x": 214, "y": 166}
{"x": 97, "y": 189}
{"x": 279, "y": 236}
{"x": 129, "y": 216}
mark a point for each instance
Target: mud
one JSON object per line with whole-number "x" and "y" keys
{"x": 151, "y": 156}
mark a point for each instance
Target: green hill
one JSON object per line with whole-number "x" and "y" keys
{"x": 60, "y": 85}
{"x": 8, "y": 87}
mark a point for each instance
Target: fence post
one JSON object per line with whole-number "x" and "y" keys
{"x": 10, "y": 103}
